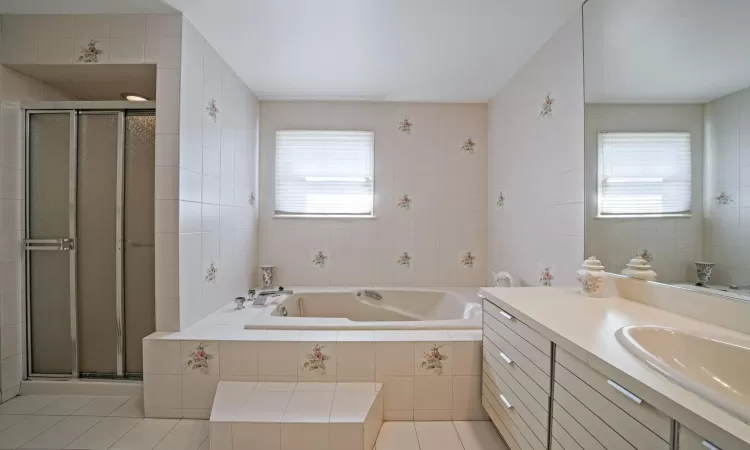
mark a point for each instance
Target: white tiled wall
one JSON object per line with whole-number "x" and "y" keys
{"x": 537, "y": 164}
{"x": 726, "y": 227}
{"x": 413, "y": 391}
{"x": 15, "y": 87}
{"x": 447, "y": 187}
{"x": 674, "y": 243}
{"x": 217, "y": 181}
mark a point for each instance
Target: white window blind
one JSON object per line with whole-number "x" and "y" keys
{"x": 644, "y": 174}
{"x": 322, "y": 172}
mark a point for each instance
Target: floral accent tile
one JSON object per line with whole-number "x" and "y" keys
{"x": 199, "y": 358}
{"x": 319, "y": 259}
{"x": 724, "y": 198}
{"x": 432, "y": 360}
{"x": 405, "y": 126}
{"x": 89, "y": 53}
{"x": 404, "y": 260}
{"x": 251, "y": 199}
{"x": 211, "y": 273}
{"x": 646, "y": 255}
{"x": 468, "y": 145}
{"x": 404, "y": 202}
{"x": 315, "y": 360}
{"x": 212, "y": 110}
{"x": 547, "y": 106}
{"x": 500, "y": 200}
{"x": 545, "y": 276}
{"x": 467, "y": 260}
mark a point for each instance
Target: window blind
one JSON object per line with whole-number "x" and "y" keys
{"x": 321, "y": 172}
{"x": 644, "y": 174}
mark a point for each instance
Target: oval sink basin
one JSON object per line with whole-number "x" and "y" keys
{"x": 718, "y": 369}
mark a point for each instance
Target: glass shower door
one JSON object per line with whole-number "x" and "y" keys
{"x": 50, "y": 242}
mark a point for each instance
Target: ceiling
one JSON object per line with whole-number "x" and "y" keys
{"x": 415, "y": 50}
{"x": 95, "y": 81}
{"x": 82, "y": 6}
{"x": 665, "y": 51}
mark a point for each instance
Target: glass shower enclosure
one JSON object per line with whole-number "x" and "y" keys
{"x": 89, "y": 237}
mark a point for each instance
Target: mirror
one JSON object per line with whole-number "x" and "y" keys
{"x": 667, "y": 139}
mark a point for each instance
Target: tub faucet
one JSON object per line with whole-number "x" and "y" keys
{"x": 375, "y": 295}
{"x": 262, "y": 296}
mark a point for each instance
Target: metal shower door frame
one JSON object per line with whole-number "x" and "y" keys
{"x": 74, "y": 109}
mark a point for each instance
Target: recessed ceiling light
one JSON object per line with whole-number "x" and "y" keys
{"x": 133, "y": 97}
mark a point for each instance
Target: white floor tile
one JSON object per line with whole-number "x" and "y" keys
{"x": 65, "y": 405}
{"x": 479, "y": 435}
{"x": 146, "y": 435}
{"x": 397, "y": 436}
{"x": 105, "y": 433}
{"x": 63, "y": 432}
{"x": 186, "y": 435}
{"x": 7, "y": 421}
{"x": 438, "y": 436}
{"x": 131, "y": 408}
{"x": 26, "y": 430}
{"x": 101, "y": 406}
{"x": 27, "y": 404}
{"x": 206, "y": 445}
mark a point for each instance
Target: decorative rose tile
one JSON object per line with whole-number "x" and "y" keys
{"x": 404, "y": 202}
{"x": 251, "y": 199}
{"x": 90, "y": 53}
{"x": 468, "y": 259}
{"x": 404, "y": 260}
{"x": 500, "y": 200}
{"x": 434, "y": 358}
{"x": 319, "y": 258}
{"x": 200, "y": 357}
{"x": 211, "y": 273}
{"x": 545, "y": 276}
{"x": 316, "y": 359}
{"x": 724, "y": 198}
{"x": 547, "y": 106}
{"x": 212, "y": 109}
{"x": 405, "y": 125}
{"x": 468, "y": 145}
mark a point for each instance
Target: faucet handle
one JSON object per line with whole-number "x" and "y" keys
{"x": 240, "y": 301}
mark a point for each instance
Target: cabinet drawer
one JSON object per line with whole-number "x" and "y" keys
{"x": 605, "y": 413}
{"x": 520, "y": 363}
{"x": 561, "y": 439}
{"x": 689, "y": 440}
{"x": 563, "y": 423}
{"x": 520, "y": 328}
{"x": 514, "y": 394}
{"x": 650, "y": 417}
{"x": 501, "y": 428}
{"x": 533, "y": 354}
{"x": 510, "y": 416}
{"x": 535, "y": 399}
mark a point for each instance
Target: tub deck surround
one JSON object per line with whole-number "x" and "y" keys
{"x": 274, "y": 416}
{"x": 585, "y": 327}
{"x": 428, "y": 374}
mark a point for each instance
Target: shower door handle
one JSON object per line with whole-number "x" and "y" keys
{"x": 65, "y": 244}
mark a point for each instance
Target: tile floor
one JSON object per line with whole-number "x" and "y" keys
{"x": 116, "y": 423}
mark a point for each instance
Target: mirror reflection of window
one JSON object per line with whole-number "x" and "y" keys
{"x": 667, "y": 141}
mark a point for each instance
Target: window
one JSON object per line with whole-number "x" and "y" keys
{"x": 644, "y": 174}
{"x": 324, "y": 173}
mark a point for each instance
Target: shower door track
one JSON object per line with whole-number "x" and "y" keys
{"x": 74, "y": 108}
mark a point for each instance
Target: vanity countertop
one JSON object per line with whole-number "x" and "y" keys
{"x": 586, "y": 328}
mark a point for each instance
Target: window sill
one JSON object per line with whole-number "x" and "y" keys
{"x": 322, "y": 216}
{"x": 645, "y": 216}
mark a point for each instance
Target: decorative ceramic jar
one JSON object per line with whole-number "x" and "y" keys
{"x": 704, "y": 270}
{"x": 267, "y": 273}
{"x": 639, "y": 268}
{"x": 591, "y": 277}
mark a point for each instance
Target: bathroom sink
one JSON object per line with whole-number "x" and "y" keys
{"x": 714, "y": 368}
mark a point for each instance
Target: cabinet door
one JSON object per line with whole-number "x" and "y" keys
{"x": 690, "y": 440}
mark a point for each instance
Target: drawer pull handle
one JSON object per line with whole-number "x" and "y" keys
{"x": 505, "y": 314}
{"x": 710, "y": 445}
{"x": 625, "y": 392}
{"x": 505, "y": 402}
{"x": 505, "y": 358}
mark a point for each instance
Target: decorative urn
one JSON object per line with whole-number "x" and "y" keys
{"x": 640, "y": 269}
{"x": 591, "y": 277}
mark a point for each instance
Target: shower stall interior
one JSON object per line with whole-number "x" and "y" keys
{"x": 89, "y": 237}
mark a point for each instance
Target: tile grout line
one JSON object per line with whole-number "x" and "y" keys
{"x": 414, "y": 424}
{"x": 453, "y": 424}
{"x": 129, "y": 429}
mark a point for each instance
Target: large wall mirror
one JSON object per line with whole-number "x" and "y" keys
{"x": 667, "y": 139}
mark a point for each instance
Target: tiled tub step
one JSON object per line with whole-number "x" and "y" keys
{"x": 296, "y": 416}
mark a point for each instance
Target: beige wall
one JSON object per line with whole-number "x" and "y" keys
{"x": 448, "y": 188}
{"x": 674, "y": 243}
{"x": 537, "y": 164}
{"x": 726, "y": 227}
{"x": 217, "y": 176}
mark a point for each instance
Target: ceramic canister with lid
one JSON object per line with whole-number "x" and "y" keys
{"x": 591, "y": 277}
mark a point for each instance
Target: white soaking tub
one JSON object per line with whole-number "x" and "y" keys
{"x": 332, "y": 308}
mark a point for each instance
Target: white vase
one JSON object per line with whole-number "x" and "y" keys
{"x": 591, "y": 277}
{"x": 704, "y": 270}
{"x": 267, "y": 273}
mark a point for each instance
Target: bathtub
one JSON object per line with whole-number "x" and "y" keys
{"x": 333, "y": 308}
